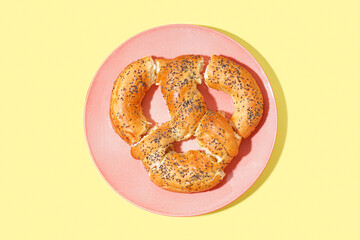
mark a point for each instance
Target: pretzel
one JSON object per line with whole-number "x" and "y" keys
{"x": 193, "y": 171}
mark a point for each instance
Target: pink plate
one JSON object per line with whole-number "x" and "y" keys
{"x": 112, "y": 155}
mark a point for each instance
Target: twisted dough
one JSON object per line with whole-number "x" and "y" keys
{"x": 192, "y": 171}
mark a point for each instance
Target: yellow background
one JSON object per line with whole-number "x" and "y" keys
{"x": 49, "y": 53}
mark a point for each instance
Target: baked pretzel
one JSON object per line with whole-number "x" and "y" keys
{"x": 193, "y": 171}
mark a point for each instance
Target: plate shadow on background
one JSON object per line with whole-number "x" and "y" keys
{"x": 281, "y": 113}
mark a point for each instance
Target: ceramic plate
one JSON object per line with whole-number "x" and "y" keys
{"x": 112, "y": 155}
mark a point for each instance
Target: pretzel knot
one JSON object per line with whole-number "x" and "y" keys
{"x": 193, "y": 171}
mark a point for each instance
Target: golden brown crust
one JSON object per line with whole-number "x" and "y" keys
{"x": 179, "y": 78}
{"x": 129, "y": 89}
{"x": 215, "y": 134}
{"x": 227, "y": 76}
{"x": 186, "y": 105}
{"x": 158, "y": 137}
{"x": 178, "y": 86}
{"x": 193, "y": 171}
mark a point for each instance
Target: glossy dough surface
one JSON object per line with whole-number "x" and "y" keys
{"x": 227, "y": 76}
{"x": 128, "y": 92}
{"x": 193, "y": 171}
